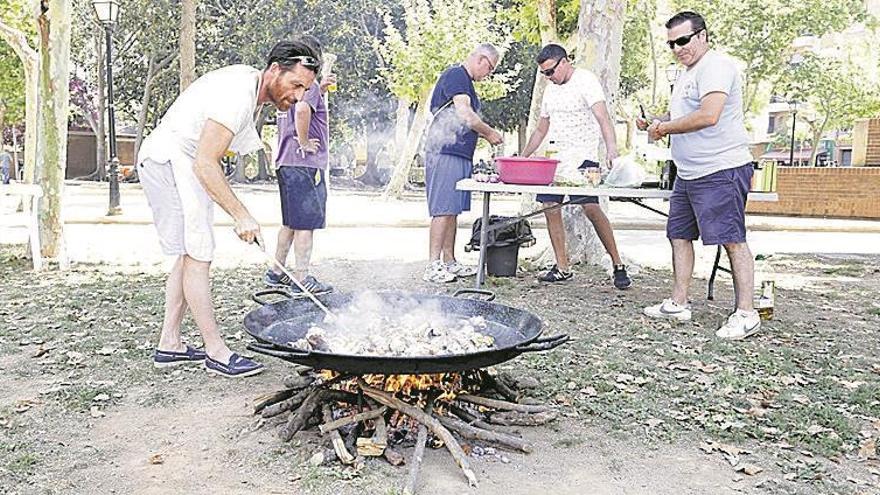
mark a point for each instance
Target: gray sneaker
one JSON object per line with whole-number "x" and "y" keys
{"x": 312, "y": 285}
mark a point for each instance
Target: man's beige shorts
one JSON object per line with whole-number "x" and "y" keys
{"x": 182, "y": 210}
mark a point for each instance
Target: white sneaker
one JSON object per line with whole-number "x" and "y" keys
{"x": 437, "y": 273}
{"x": 740, "y": 325}
{"x": 669, "y": 309}
{"x": 460, "y": 270}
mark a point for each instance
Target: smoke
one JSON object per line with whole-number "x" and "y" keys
{"x": 447, "y": 128}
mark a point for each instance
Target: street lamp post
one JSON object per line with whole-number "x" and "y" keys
{"x": 107, "y": 12}
{"x": 793, "y": 105}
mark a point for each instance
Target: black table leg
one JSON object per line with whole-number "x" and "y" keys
{"x": 711, "y": 295}
{"x": 484, "y": 239}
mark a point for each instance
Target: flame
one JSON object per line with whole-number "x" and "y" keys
{"x": 449, "y": 385}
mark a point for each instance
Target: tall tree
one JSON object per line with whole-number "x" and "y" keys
{"x": 16, "y": 28}
{"x": 760, "y": 32}
{"x": 834, "y": 93}
{"x": 53, "y": 24}
{"x": 436, "y": 35}
{"x": 187, "y": 42}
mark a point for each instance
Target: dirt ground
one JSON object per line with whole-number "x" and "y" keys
{"x": 647, "y": 407}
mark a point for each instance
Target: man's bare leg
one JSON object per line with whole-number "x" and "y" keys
{"x": 556, "y": 230}
{"x": 742, "y": 266}
{"x": 603, "y": 229}
{"x": 197, "y": 292}
{"x": 282, "y": 248}
{"x": 682, "y": 268}
{"x": 448, "y": 249}
{"x": 175, "y": 309}
{"x": 436, "y": 235}
{"x": 302, "y": 250}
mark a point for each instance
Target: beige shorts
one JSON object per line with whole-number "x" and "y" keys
{"x": 182, "y": 210}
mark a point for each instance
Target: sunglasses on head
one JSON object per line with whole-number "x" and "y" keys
{"x": 304, "y": 60}
{"x": 683, "y": 40}
{"x": 549, "y": 72}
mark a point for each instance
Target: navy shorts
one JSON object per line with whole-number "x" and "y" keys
{"x": 575, "y": 200}
{"x": 303, "y": 197}
{"x": 712, "y": 208}
{"x": 441, "y": 173}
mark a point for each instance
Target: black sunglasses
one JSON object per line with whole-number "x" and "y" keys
{"x": 549, "y": 72}
{"x": 683, "y": 40}
{"x": 305, "y": 60}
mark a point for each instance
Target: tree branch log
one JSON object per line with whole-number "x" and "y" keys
{"x": 501, "y": 404}
{"x": 419, "y": 453}
{"x": 354, "y": 418}
{"x": 513, "y": 418}
{"x": 336, "y": 439}
{"x": 474, "y": 433}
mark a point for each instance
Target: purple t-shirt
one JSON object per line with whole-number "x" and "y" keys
{"x": 289, "y": 151}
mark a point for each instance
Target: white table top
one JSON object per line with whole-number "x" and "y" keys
{"x": 613, "y": 192}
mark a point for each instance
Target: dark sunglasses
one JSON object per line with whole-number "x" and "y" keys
{"x": 683, "y": 40}
{"x": 305, "y": 60}
{"x": 549, "y": 72}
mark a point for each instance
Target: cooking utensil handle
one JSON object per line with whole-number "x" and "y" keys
{"x": 490, "y": 296}
{"x": 258, "y": 296}
{"x": 544, "y": 343}
{"x": 271, "y": 350}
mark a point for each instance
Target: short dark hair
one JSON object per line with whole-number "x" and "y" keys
{"x": 313, "y": 42}
{"x": 697, "y": 21}
{"x": 285, "y": 54}
{"x": 551, "y": 51}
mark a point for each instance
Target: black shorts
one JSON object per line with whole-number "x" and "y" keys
{"x": 575, "y": 200}
{"x": 303, "y": 197}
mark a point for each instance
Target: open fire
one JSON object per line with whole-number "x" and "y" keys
{"x": 374, "y": 415}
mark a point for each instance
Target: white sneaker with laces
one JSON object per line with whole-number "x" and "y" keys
{"x": 459, "y": 270}
{"x": 669, "y": 309}
{"x": 740, "y": 325}
{"x": 437, "y": 273}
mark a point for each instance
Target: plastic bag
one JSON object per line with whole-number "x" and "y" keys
{"x": 625, "y": 172}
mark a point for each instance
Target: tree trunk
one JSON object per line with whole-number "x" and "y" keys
{"x": 599, "y": 45}
{"x": 54, "y": 96}
{"x": 654, "y": 67}
{"x": 817, "y": 136}
{"x": 187, "y": 43}
{"x": 399, "y": 178}
{"x": 154, "y": 68}
{"x": 521, "y": 136}
{"x": 401, "y": 127}
{"x": 31, "y": 63}
{"x": 549, "y": 34}
{"x": 100, "y": 128}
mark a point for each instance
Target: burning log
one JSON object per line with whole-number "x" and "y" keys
{"x": 354, "y": 418}
{"x": 513, "y": 418}
{"x": 336, "y": 439}
{"x": 265, "y": 400}
{"x": 502, "y": 388}
{"x": 419, "y": 453}
{"x": 286, "y": 404}
{"x": 308, "y": 408}
{"x": 474, "y": 433}
{"x": 298, "y": 382}
{"x": 375, "y": 445}
{"x": 501, "y": 404}
{"x": 429, "y": 421}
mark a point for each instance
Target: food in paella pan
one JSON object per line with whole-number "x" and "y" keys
{"x": 373, "y": 326}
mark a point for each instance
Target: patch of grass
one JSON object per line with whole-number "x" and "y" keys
{"x": 23, "y": 464}
{"x": 80, "y": 398}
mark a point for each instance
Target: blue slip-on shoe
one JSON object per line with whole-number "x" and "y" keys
{"x": 238, "y": 367}
{"x": 164, "y": 359}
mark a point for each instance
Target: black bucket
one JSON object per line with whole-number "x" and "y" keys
{"x": 501, "y": 260}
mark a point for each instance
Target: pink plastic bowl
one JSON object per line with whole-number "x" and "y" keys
{"x": 520, "y": 170}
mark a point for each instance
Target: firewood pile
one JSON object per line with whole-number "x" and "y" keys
{"x": 375, "y": 415}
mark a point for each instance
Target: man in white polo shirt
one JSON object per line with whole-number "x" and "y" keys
{"x": 179, "y": 169}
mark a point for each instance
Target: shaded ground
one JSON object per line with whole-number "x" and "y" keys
{"x": 650, "y": 407}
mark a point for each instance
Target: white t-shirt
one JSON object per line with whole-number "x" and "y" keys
{"x": 573, "y": 127}
{"x": 227, "y": 96}
{"x": 721, "y": 146}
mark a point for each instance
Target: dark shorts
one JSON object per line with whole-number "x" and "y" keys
{"x": 303, "y": 197}
{"x": 441, "y": 173}
{"x": 712, "y": 208}
{"x": 575, "y": 200}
